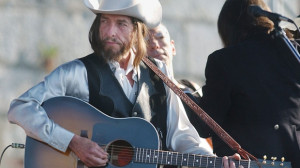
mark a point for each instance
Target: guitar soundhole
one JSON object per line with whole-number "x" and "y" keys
{"x": 121, "y": 153}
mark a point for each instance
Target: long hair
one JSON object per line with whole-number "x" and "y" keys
{"x": 236, "y": 25}
{"x": 140, "y": 41}
{"x": 140, "y": 31}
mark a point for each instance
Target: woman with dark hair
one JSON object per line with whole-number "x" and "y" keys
{"x": 235, "y": 24}
{"x": 252, "y": 87}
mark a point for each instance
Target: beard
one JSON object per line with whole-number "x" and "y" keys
{"x": 113, "y": 53}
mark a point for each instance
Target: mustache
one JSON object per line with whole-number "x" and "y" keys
{"x": 111, "y": 39}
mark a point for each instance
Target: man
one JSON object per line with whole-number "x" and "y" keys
{"x": 162, "y": 47}
{"x": 117, "y": 38}
{"x": 252, "y": 87}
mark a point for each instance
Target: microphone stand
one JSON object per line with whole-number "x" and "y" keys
{"x": 278, "y": 33}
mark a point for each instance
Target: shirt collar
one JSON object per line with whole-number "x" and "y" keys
{"x": 114, "y": 66}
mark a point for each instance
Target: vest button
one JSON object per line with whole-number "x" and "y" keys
{"x": 276, "y": 127}
{"x": 134, "y": 114}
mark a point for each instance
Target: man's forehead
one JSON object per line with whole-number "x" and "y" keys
{"x": 159, "y": 31}
{"x": 118, "y": 17}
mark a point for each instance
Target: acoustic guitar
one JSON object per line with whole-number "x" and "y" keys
{"x": 131, "y": 142}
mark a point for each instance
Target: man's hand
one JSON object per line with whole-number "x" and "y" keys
{"x": 231, "y": 164}
{"x": 89, "y": 152}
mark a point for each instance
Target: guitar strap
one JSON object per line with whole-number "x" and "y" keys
{"x": 201, "y": 113}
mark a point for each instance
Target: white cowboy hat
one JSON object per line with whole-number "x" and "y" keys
{"x": 148, "y": 11}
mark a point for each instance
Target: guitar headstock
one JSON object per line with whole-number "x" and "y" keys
{"x": 274, "y": 163}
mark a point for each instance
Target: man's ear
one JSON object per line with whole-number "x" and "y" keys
{"x": 173, "y": 48}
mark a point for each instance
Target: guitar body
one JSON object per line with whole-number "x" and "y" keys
{"x": 130, "y": 142}
{"x": 81, "y": 118}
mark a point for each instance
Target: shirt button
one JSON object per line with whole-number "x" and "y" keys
{"x": 134, "y": 114}
{"x": 276, "y": 127}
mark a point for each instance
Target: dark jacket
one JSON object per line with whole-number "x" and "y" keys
{"x": 253, "y": 91}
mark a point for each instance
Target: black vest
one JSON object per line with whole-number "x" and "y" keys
{"x": 107, "y": 95}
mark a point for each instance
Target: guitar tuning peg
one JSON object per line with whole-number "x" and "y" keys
{"x": 282, "y": 160}
{"x": 273, "y": 158}
{"x": 265, "y": 158}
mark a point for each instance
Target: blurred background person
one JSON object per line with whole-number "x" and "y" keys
{"x": 162, "y": 47}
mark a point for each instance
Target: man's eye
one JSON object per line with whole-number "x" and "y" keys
{"x": 123, "y": 24}
{"x": 159, "y": 37}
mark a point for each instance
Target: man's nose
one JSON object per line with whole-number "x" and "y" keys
{"x": 153, "y": 43}
{"x": 111, "y": 30}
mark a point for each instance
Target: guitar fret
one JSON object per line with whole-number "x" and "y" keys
{"x": 181, "y": 159}
{"x": 188, "y": 158}
{"x": 194, "y": 161}
{"x": 176, "y": 158}
{"x": 143, "y": 154}
{"x": 146, "y": 155}
{"x": 150, "y": 155}
{"x": 155, "y": 157}
{"x": 215, "y": 161}
{"x": 166, "y": 157}
{"x": 171, "y": 157}
{"x": 140, "y": 155}
{"x": 162, "y": 157}
{"x": 200, "y": 160}
{"x": 137, "y": 154}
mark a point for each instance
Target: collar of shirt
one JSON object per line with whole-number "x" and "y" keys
{"x": 115, "y": 67}
{"x": 120, "y": 74}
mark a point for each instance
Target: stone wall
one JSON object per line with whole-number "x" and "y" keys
{"x": 33, "y": 30}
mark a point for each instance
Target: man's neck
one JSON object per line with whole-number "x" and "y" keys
{"x": 124, "y": 61}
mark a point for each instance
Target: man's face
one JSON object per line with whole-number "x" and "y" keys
{"x": 116, "y": 35}
{"x": 160, "y": 45}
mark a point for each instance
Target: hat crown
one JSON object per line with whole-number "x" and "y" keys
{"x": 148, "y": 11}
{"x": 111, "y": 5}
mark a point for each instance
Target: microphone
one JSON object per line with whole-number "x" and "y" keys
{"x": 257, "y": 11}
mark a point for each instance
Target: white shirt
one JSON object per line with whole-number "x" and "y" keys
{"x": 70, "y": 79}
{"x": 120, "y": 74}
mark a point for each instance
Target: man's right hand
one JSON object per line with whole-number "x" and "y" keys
{"x": 89, "y": 152}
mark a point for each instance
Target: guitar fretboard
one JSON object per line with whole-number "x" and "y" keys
{"x": 174, "y": 158}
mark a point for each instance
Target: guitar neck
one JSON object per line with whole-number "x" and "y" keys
{"x": 175, "y": 158}
{"x": 191, "y": 160}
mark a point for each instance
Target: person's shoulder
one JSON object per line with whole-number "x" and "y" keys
{"x": 70, "y": 66}
{"x": 223, "y": 52}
